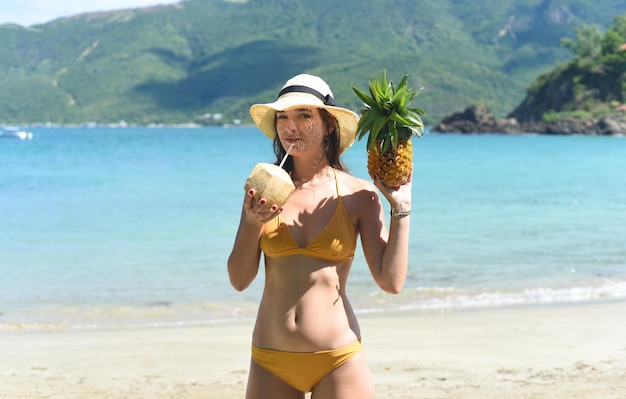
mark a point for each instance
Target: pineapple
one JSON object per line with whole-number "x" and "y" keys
{"x": 391, "y": 123}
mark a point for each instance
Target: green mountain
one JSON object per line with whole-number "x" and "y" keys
{"x": 591, "y": 85}
{"x": 198, "y": 59}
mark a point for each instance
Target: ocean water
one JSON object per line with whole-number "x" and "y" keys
{"x": 108, "y": 227}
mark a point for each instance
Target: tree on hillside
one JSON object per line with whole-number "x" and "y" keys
{"x": 589, "y": 41}
{"x": 615, "y": 36}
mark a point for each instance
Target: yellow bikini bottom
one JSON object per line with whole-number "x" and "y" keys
{"x": 303, "y": 370}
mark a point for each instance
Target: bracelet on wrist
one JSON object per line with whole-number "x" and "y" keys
{"x": 399, "y": 214}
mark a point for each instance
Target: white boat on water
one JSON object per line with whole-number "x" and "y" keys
{"x": 15, "y": 133}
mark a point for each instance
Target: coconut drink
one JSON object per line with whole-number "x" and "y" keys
{"x": 270, "y": 182}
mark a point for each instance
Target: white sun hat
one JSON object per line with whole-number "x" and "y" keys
{"x": 306, "y": 90}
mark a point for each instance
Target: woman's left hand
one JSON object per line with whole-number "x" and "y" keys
{"x": 399, "y": 197}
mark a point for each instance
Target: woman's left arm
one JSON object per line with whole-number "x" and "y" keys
{"x": 387, "y": 251}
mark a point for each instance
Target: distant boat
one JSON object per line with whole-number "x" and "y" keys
{"x": 15, "y": 133}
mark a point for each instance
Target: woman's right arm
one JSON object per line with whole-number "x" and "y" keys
{"x": 243, "y": 262}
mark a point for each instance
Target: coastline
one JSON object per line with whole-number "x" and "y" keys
{"x": 564, "y": 351}
{"x": 477, "y": 118}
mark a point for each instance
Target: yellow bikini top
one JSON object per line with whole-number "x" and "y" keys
{"x": 336, "y": 242}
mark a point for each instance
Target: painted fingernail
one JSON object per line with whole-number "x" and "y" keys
{"x": 262, "y": 201}
{"x": 274, "y": 207}
{"x": 251, "y": 192}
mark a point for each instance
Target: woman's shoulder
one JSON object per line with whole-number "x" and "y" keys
{"x": 360, "y": 196}
{"x": 353, "y": 185}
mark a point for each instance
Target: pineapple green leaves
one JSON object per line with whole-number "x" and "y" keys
{"x": 387, "y": 115}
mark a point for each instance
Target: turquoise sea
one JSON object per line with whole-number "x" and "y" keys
{"x": 106, "y": 227}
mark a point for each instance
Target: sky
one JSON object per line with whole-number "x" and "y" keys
{"x": 32, "y": 12}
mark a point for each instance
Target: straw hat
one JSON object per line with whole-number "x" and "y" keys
{"x": 306, "y": 90}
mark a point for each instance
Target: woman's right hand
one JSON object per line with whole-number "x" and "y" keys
{"x": 259, "y": 212}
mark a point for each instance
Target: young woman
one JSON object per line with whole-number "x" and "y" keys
{"x": 306, "y": 337}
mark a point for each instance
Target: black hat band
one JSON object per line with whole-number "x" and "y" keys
{"x": 328, "y": 99}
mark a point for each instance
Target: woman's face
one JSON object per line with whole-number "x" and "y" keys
{"x": 303, "y": 127}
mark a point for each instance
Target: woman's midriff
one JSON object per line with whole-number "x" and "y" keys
{"x": 304, "y": 307}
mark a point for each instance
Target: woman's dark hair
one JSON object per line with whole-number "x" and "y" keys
{"x": 332, "y": 148}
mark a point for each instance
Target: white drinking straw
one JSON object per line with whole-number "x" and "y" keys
{"x": 286, "y": 155}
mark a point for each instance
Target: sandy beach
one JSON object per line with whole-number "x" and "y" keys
{"x": 576, "y": 351}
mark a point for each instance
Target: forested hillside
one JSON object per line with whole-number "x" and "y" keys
{"x": 592, "y": 84}
{"x": 200, "y": 58}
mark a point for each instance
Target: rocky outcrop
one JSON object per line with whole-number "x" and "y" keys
{"x": 477, "y": 118}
